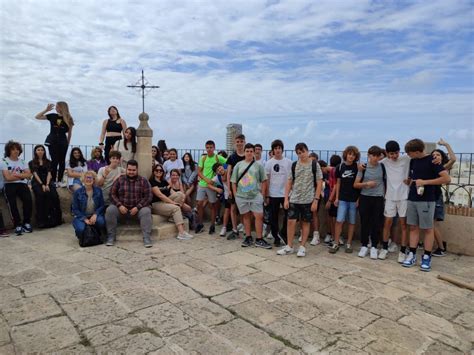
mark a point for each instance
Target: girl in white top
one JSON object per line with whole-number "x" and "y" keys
{"x": 172, "y": 163}
{"x": 127, "y": 146}
{"x": 76, "y": 166}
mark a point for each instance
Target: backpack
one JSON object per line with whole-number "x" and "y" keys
{"x": 314, "y": 168}
{"x": 90, "y": 237}
{"x": 384, "y": 176}
{"x": 205, "y": 157}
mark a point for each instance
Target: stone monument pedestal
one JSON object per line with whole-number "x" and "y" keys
{"x": 143, "y": 154}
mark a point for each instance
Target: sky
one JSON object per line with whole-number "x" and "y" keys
{"x": 329, "y": 72}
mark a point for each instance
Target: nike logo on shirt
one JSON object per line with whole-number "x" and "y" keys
{"x": 347, "y": 173}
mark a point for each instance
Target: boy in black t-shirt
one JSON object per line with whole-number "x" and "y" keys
{"x": 424, "y": 177}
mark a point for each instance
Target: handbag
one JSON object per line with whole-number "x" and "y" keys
{"x": 90, "y": 237}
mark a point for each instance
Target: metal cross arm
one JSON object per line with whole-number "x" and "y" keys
{"x": 144, "y": 85}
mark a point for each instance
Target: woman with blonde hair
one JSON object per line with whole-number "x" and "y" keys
{"x": 97, "y": 161}
{"x": 58, "y": 138}
{"x": 112, "y": 129}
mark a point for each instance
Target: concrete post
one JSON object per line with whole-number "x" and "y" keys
{"x": 144, "y": 137}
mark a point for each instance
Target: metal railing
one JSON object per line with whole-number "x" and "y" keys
{"x": 459, "y": 191}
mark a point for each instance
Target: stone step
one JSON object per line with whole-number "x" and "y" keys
{"x": 162, "y": 229}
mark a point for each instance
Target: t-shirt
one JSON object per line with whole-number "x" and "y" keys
{"x": 206, "y": 163}
{"x": 278, "y": 171}
{"x": 14, "y": 166}
{"x": 347, "y": 174}
{"x": 303, "y": 189}
{"x": 234, "y": 159}
{"x": 397, "y": 171}
{"x": 127, "y": 154}
{"x": 221, "y": 185}
{"x": 58, "y": 129}
{"x": 109, "y": 180}
{"x": 170, "y": 165}
{"x": 78, "y": 169}
{"x": 163, "y": 186}
{"x": 373, "y": 173}
{"x": 249, "y": 185}
{"x": 262, "y": 162}
{"x": 424, "y": 169}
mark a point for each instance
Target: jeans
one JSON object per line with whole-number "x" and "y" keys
{"x": 344, "y": 209}
{"x": 79, "y": 225}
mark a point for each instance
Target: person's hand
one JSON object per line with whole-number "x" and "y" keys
{"x": 230, "y": 193}
{"x": 328, "y": 205}
{"x": 336, "y": 203}
{"x": 357, "y": 203}
{"x": 266, "y": 201}
{"x": 123, "y": 210}
{"x": 371, "y": 184}
{"x": 420, "y": 182}
{"x": 49, "y": 107}
{"x": 407, "y": 182}
{"x": 286, "y": 204}
{"x": 87, "y": 221}
{"x": 43, "y": 187}
{"x": 93, "y": 219}
{"x": 442, "y": 142}
{"x": 314, "y": 205}
{"x": 133, "y": 211}
{"x": 47, "y": 188}
{"x": 107, "y": 170}
{"x": 361, "y": 167}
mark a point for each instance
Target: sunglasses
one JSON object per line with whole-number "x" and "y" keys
{"x": 158, "y": 171}
{"x": 89, "y": 178}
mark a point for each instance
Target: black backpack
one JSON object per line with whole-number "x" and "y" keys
{"x": 314, "y": 168}
{"x": 90, "y": 237}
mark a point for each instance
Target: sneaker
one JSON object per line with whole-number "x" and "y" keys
{"x": 248, "y": 241}
{"x": 233, "y": 235}
{"x": 401, "y": 257}
{"x": 223, "y": 232}
{"x": 199, "y": 228}
{"x": 240, "y": 227}
{"x": 4, "y": 233}
{"x": 110, "y": 242}
{"x": 18, "y": 230}
{"x": 184, "y": 236}
{"x": 218, "y": 220}
{"x": 363, "y": 252}
{"x": 410, "y": 260}
{"x": 212, "y": 229}
{"x": 341, "y": 240}
{"x": 147, "y": 242}
{"x": 333, "y": 248}
{"x": 348, "y": 249}
{"x": 315, "y": 240}
{"x": 328, "y": 239}
{"x": 374, "y": 253}
{"x": 393, "y": 247}
{"x": 262, "y": 243}
{"x": 27, "y": 228}
{"x": 286, "y": 250}
{"x": 425, "y": 263}
{"x": 301, "y": 251}
{"x": 383, "y": 254}
{"x": 438, "y": 252}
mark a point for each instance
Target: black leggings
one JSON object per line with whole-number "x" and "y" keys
{"x": 275, "y": 203}
{"x": 21, "y": 190}
{"x": 57, "y": 152}
{"x": 371, "y": 219}
{"x": 109, "y": 143}
{"x": 46, "y": 203}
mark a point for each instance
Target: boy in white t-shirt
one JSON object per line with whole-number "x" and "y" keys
{"x": 108, "y": 174}
{"x": 172, "y": 163}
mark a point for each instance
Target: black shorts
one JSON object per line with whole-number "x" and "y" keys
{"x": 301, "y": 212}
{"x": 227, "y": 203}
{"x": 332, "y": 210}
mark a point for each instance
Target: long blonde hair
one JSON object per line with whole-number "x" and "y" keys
{"x": 64, "y": 108}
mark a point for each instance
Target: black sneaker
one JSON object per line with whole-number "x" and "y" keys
{"x": 18, "y": 230}
{"x": 262, "y": 243}
{"x": 27, "y": 228}
{"x": 439, "y": 252}
{"x": 212, "y": 229}
{"x": 233, "y": 235}
{"x": 199, "y": 228}
{"x": 248, "y": 241}
{"x": 218, "y": 220}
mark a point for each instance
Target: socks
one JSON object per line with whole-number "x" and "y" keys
{"x": 428, "y": 252}
{"x": 413, "y": 250}
{"x": 403, "y": 249}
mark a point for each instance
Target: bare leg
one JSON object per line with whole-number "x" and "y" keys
{"x": 387, "y": 225}
{"x": 304, "y": 232}
{"x": 403, "y": 227}
{"x": 258, "y": 224}
{"x": 429, "y": 239}
{"x": 350, "y": 233}
{"x": 291, "y": 232}
{"x": 337, "y": 231}
{"x": 248, "y": 224}
{"x": 414, "y": 236}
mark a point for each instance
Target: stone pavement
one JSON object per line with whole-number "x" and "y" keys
{"x": 210, "y": 296}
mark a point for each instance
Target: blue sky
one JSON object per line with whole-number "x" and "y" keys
{"x": 329, "y": 73}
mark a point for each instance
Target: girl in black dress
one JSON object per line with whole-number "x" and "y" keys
{"x": 48, "y": 210}
{"x": 59, "y": 137}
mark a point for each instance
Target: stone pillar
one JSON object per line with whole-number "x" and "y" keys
{"x": 143, "y": 154}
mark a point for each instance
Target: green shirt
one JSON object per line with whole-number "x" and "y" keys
{"x": 206, "y": 163}
{"x": 249, "y": 185}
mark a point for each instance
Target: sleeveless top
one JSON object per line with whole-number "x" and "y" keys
{"x": 113, "y": 126}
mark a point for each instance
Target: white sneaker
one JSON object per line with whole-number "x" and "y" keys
{"x": 363, "y": 252}
{"x": 240, "y": 227}
{"x": 315, "y": 240}
{"x": 327, "y": 239}
{"x": 401, "y": 257}
{"x": 285, "y": 250}
{"x": 373, "y": 253}
{"x": 184, "y": 236}
{"x": 301, "y": 251}
{"x": 383, "y": 254}
{"x": 392, "y": 248}
{"x": 223, "y": 231}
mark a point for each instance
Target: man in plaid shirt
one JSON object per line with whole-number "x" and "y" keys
{"x": 130, "y": 195}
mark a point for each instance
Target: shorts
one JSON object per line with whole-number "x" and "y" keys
{"x": 226, "y": 203}
{"x": 439, "y": 210}
{"x": 202, "y": 192}
{"x": 346, "y": 209}
{"x": 392, "y": 208}
{"x": 301, "y": 212}
{"x": 332, "y": 210}
{"x": 421, "y": 214}
{"x": 246, "y": 205}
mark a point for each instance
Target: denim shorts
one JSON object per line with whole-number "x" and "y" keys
{"x": 346, "y": 209}
{"x": 439, "y": 210}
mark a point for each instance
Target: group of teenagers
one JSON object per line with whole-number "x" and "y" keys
{"x": 272, "y": 195}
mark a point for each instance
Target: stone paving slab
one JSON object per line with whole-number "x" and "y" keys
{"x": 211, "y": 296}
